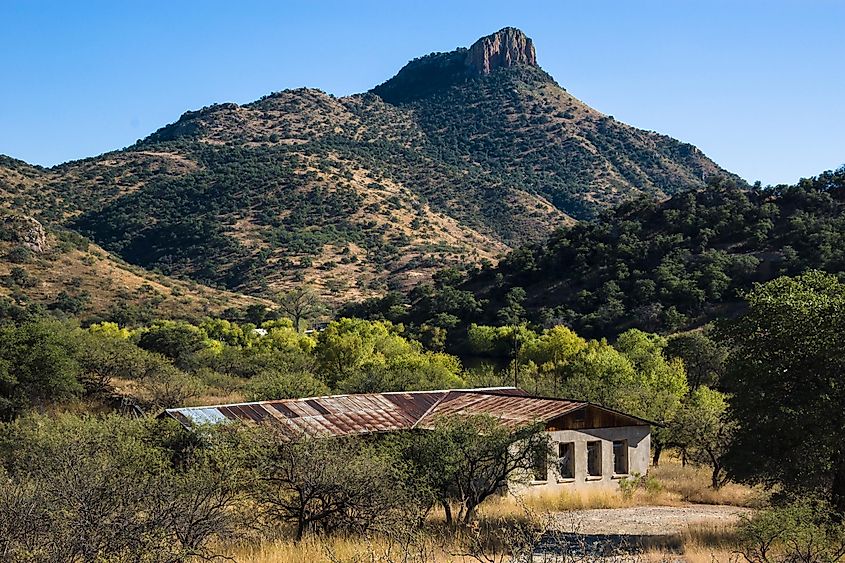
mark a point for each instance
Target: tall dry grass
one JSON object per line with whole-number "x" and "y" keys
{"x": 670, "y": 484}
{"x": 690, "y": 484}
{"x": 699, "y": 543}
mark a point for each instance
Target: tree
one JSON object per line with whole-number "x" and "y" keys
{"x": 332, "y": 484}
{"x": 504, "y": 341}
{"x": 165, "y": 385}
{"x": 554, "y": 352}
{"x": 704, "y": 359}
{"x": 787, "y": 377}
{"x": 513, "y": 313}
{"x": 359, "y": 356}
{"x": 633, "y": 376}
{"x": 658, "y": 387}
{"x": 805, "y": 531}
{"x": 105, "y": 355}
{"x": 466, "y": 459}
{"x": 37, "y": 366}
{"x": 702, "y": 428}
{"x": 179, "y": 341}
{"x": 300, "y": 304}
{"x": 272, "y": 386}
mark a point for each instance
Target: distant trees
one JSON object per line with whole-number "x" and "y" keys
{"x": 354, "y": 355}
{"x": 300, "y": 304}
{"x": 508, "y": 341}
{"x": 786, "y": 376}
{"x": 659, "y": 267}
{"x": 633, "y": 375}
{"x": 178, "y": 341}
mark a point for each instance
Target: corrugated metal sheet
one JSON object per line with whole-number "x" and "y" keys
{"x": 512, "y": 409}
{"x": 335, "y": 415}
{"x": 339, "y": 415}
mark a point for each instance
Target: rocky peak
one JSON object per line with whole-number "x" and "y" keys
{"x": 505, "y": 48}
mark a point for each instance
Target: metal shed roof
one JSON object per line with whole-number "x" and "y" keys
{"x": 339, "y": 415}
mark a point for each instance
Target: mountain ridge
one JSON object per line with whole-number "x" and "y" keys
{"x": 364, "y": 193}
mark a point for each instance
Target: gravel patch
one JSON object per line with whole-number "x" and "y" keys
{"x": 646, "y": 520}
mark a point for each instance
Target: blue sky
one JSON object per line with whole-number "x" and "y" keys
{"x": 757, "y": 85}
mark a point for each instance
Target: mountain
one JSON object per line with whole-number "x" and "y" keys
{"x": 60, "y": 270}
{"x": 658, "y": 266}
{"x": 457, "y": 159}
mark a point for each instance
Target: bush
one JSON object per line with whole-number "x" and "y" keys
{"x": 276, "y": 385}
{"x": 87, "y": 489}
{"x": 19, "y": 255}
{"x": 20, "y": 277}
{"x": 805, "y": 531}
{"x": 330, "y": 484}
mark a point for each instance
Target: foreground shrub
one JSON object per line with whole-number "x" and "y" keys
{"x": 86, "y": 489}
{"x": 805, "y": 531}
{"x": 330, "y": 484}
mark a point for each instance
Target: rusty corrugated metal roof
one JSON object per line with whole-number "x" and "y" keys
{"x": 339, "y": 415}
{"x": 512, "y": 410}
{"x": 334, "y": 415}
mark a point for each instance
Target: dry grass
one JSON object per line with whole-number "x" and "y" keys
{"x": 692, "y": 485}
{"x": 344, "y": 549}
{"x": 554, "y": 501}
{"x": 671, "y": 485}
{"x": 699, "y": 543}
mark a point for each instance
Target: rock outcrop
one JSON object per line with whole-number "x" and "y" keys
{"x": 507, "y": 47}
{"x": 26, "y": 231}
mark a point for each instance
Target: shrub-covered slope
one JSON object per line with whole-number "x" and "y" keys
{"x": 658, "y": 266}
{"x": 448, "y": 163}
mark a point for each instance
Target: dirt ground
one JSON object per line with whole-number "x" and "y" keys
{"x": 646, "y": 520}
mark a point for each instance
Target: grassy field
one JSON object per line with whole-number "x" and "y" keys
{"x": 671, "y": 484}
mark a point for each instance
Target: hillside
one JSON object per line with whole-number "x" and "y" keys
{"x": 658, "y": 266}
{"x": 458, "y": 158}
{"x": 61, "y": 271}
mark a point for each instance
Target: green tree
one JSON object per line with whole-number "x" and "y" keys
{"x": 703, "y": 428}
{"x": 659, "y": 384}
{"x": 786, "y": 371}
{"x": 37, "y": 366}
{"x": 466, "y": 459}
{"x": 177, "y": 340}
{"x": 503, "y": 341}
{"x": 704, "y": 359}
{"x": 553, "y": 352}
{"x": 513, "y": 313}
{"x": 272, "y": 386}
{"x": 355, "y": 355}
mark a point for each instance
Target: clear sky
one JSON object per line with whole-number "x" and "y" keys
{"x": 757, "y": 85}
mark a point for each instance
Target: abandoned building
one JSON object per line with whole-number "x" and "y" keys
{"x": 592, "y": 446}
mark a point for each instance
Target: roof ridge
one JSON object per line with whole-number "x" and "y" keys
{"x": 431, "y": 408}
